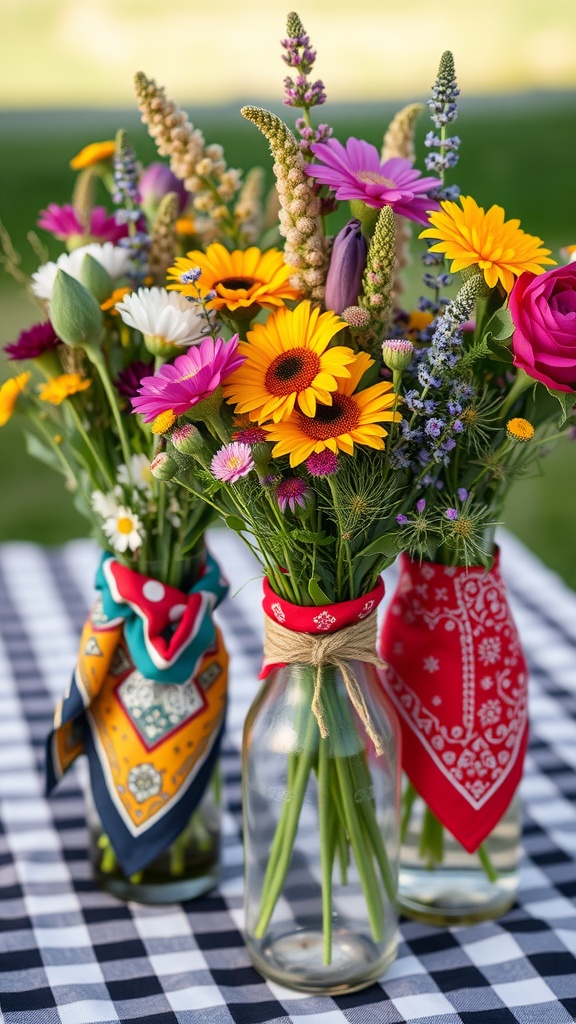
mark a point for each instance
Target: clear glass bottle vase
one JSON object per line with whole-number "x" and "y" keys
{"x": 321, "y": 826}
{"x": 189, "y": 867}
{"x": 440, "y": 883}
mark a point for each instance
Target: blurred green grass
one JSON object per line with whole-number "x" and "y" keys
{"x": 517, "y": 151}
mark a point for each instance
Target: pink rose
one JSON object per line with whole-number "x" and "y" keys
{"x": 543, "y": 309}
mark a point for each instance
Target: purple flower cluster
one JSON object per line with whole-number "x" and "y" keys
{"x": 309, "y": 135}
{"x": 126, "y": 196}
{"x": 443, "y": 110}
{"x": 300, "y": 92}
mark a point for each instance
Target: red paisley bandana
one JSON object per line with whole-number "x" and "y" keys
{"x": 457, "y": 677}
{"x": 313, "y": 619}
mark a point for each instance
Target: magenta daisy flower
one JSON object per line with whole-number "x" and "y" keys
{"x": 63, "y": 223}
{"x": 292, "y": 492}
{"x": 322, "y": 463}
{"x": 232, "y": 462}
{"x": 355, "y": 172}
{"x": 34, "y": 342}
{"x": 180, "y": 385}
{"x": 129, "y": 379}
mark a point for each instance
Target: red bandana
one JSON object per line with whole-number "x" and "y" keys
{"x": 327, "y": 618}
{"x": 457, "y": 677}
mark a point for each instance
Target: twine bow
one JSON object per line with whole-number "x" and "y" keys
{"x": 352, "y": 643}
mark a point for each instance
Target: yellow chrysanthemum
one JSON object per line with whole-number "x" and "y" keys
{"x": 163, "y": 422}
{"x": 185, "y": 226}
{"x": 9, "y": 392}
{"x": 287, "y": 361}
{"x": 471, "y": 237}
{"x": 519, "y": 429}
{"x": 243, "y": 278}
{"x": 93, "y": 154}
{"x": 117, "y": 296}
{"x": 351, "y": 419}
{"x": 59, "y": 388}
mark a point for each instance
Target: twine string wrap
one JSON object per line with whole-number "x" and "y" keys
{"x": 351, "y": 643}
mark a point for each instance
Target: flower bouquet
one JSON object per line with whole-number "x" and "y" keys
{"x": 300, "y": 450}
{"x": 489, "y": 390}
{"x": 152, "y": 667}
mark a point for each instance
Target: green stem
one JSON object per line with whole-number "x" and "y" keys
{"x": 486, "y": 863}
{"x": 281, "y": 853}
{"x": 408, "y": 798}
{"x": 100, "y": 365}
{"x": 105, "y": 471}
{"x": 326, "y": 845}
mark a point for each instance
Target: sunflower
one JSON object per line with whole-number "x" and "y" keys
{"x": 240, "y": 279}
{"x": 287, "y": 361}
{"x": 352, "y": 418}
{"x": 471, "y": 237}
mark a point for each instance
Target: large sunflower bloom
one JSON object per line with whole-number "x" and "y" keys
{"x": 353, "y": 418}
{"x": 472, "y": 237}
{"x": 288, "y": 362}
{"x": 240, "y": 279}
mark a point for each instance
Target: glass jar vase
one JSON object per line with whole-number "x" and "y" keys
{"x": 185, "y": 870}
{"x": 458, "y": 679}
{"x": 321, "y": 816}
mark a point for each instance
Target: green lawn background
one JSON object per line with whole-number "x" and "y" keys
{"x": 517, "y": 151}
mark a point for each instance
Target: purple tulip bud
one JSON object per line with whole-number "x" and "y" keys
{"x": 156, "y": 181}
{"x": 347, "y": 264}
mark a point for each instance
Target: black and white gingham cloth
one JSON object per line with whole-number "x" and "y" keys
{"x": 70, "y": 954}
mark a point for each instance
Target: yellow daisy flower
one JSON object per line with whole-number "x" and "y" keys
{"x": 351, "y": 419}
{"x": 241, "y": 279}
{"x": 117, "y": 295}
{"x": 93, "y": 154}
{"x": 287, "y": 361}
{"x": 59, "y": 388}
{"x": 471, "y": 237}
{"x": 9, "y": 392}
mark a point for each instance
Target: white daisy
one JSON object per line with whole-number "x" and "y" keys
{"x": 163, "y": 315}
{"x": 115, "y": 260}
{"x": 140, "y": 475}
{"x": 104, "y": 505}
{"x": 124, "y": 529}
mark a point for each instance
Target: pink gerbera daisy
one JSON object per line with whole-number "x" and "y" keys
{"x": 232, "y": 462}
{"x": 354, "y": 171}
{"x": 63, "y": 223}
{"x": 180, "y": 385}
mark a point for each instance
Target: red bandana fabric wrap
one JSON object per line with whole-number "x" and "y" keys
{"x": 457, "y": 677}
{"x": 328, "y": 618}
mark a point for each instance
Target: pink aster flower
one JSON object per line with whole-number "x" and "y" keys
{"x": 292, "y": 492}
{"x": 354, "y": 171}
{"x": 34, "y": 342}
{"x": 63, "y": 223}
{"x": 189, "y": 379}
{"x": 232, "y": 462}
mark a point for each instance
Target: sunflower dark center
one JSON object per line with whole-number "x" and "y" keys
{"x": 331, "y": 420}
{"x": 236, "y": 284}
{"x": 291, "y": 371}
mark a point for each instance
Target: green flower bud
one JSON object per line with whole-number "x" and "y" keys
{"x": 397, "y": 354}
{"x": 75, "y": 313}
{"x": 163, "y": 467}
{"x": 189, "y": 441}
{"x": 96, "y": 278}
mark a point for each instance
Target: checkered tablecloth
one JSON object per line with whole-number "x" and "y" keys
{"x": 70, "y": 954}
